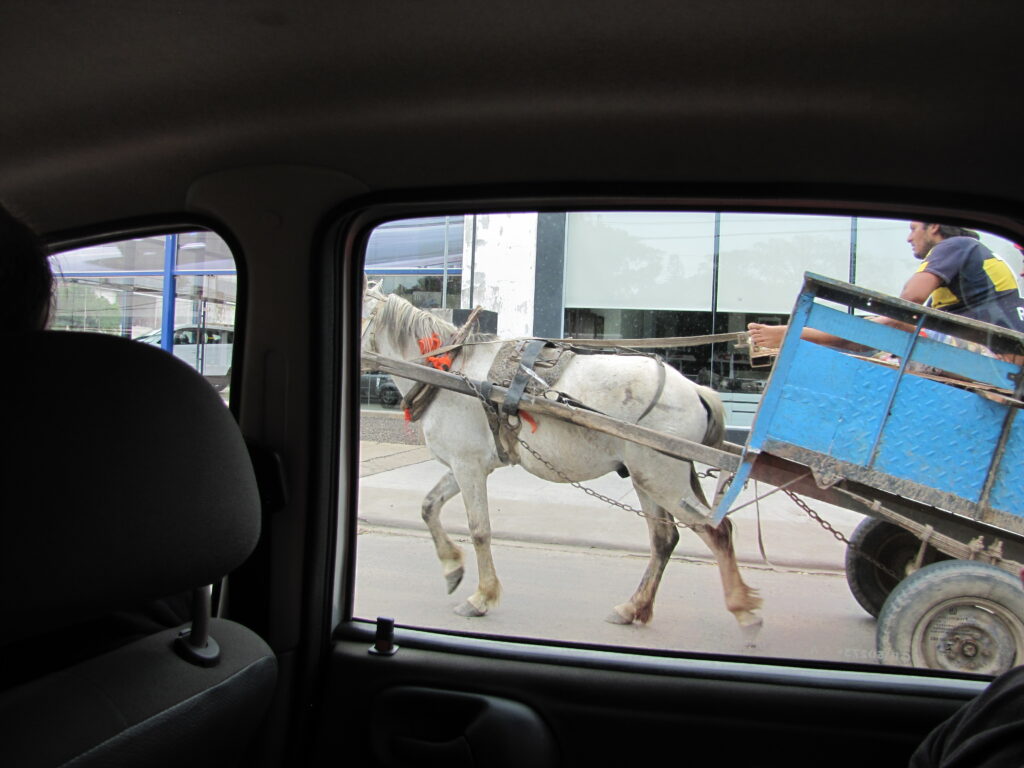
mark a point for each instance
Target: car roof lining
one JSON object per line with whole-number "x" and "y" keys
{"x": 795, "y": 93}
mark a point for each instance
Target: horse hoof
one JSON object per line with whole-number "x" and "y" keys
{"x": 750, "y": 630}
{"x": 620, "y": 615}
{"x": 453, "y": 579}
{"x": 469, "y": 610}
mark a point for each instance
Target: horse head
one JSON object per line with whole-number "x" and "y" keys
{"x": 373, "y": 300}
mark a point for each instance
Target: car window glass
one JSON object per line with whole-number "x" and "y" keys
{"x": 182, "y": 282}
{"x": 573, "y": 516}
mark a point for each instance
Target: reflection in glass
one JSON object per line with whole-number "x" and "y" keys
{"x": 639, "y": 260}
{"x": 145, "y": 254}
{"x": 203, "y": 251}
{"x": 762, "y": 259}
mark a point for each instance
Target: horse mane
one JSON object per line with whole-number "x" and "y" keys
{"x": 401, "y": 321}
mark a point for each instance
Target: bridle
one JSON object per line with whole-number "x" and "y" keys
{"x": 368, "y": 336}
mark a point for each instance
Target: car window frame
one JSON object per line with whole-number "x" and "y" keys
{"x": 340, "y": 301}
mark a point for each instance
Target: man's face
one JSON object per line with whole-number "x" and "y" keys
{"x": 922, "y": 238}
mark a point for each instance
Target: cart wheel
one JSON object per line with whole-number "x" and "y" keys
{"x": 957, "y": 616}
{"x": 890, "y": 545}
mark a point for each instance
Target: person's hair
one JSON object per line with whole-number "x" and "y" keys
{"x": 26, "y": 281}
{"x": 951, "y": 230}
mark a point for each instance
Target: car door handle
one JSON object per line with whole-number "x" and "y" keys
{"x": 413, "y": 726}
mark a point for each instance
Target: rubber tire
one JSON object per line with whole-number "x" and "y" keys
{"x": 958, "y": 616}
{"x": 389, "y": 398}
{"x": 889, "y": 544}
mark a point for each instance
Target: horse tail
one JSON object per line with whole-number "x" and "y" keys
{"x": 714, "y": 435}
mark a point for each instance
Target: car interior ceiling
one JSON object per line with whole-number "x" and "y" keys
{"x": 279, "y": 125}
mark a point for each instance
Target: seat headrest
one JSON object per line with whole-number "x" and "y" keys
{"x": 123, "y": 478}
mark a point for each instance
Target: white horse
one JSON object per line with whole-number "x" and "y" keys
{"x": 456, "y": 430}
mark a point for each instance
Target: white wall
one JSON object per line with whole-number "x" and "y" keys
{"x": 505, "y": 262}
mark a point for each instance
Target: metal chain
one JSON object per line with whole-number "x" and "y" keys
{"x": 838, "y": 535}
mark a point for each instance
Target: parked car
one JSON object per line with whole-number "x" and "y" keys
{"x": 207, "y": 348}
{"x": 376, "y": 387}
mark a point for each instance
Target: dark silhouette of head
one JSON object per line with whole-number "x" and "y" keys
{"x": 26, "y": 281}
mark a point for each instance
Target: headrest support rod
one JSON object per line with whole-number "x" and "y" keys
{"x": 195, "y": 644}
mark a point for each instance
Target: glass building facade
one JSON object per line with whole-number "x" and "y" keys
{"x": 642, "y": 275}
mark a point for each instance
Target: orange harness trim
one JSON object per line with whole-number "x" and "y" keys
{"x": 429, "y": 344}
{"x": 442, "y": 363}
{"x": 529, "y": 420}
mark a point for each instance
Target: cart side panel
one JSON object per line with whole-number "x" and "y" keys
{"x": 828, "y": 403}
{"x": 940, "y": 436}
{"x": 1008, "y": 491}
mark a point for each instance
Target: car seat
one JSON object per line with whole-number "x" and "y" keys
{"x": 125, "y": 480}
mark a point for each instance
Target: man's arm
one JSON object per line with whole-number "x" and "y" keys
{"x": 917, "y": 289}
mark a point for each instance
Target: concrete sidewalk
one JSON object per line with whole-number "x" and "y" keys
{"x": 396, "y": 476}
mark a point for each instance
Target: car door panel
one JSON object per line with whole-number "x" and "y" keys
{"x": 602, "y": 708}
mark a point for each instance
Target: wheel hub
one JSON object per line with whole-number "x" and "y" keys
{"x": 965, "y": 644}
{"x": 968, "y": 648}
{"x": 967, "y": 639}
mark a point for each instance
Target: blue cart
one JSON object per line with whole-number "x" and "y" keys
{"x": 928, "y": 444}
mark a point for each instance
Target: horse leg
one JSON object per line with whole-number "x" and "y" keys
{"x": 448, "y": 551}
{"x": 664, "y": 536}
{"x": 474, "y": 495}
{"x": 740, "y": 599}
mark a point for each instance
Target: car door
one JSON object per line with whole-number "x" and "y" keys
{"x": 406, "y": 682}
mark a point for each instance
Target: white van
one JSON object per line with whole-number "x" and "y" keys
{"x": 207, "y": 349}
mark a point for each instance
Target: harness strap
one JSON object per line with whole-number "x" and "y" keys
{"x": 531, "y": 351}
{"x": 492, "y": 421}
{"x": 657, "y": 392}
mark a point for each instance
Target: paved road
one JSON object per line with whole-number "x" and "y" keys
{"x": 565, "y": 559}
